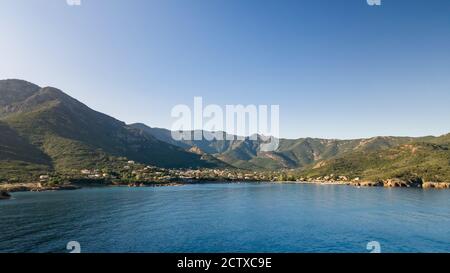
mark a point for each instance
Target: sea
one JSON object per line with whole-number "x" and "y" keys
{"x": 227, "y": 217}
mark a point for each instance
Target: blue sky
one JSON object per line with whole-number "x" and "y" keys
{"x": 338, "y": 69}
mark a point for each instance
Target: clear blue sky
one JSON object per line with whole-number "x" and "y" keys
{"x": 338, "y": 69}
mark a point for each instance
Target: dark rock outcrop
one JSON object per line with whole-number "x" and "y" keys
{"x": 4, "y": 195}
{"x": 368, "y": 184}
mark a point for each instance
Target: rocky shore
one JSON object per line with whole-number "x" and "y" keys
{"x": 5, "y": 189}
{"x": 35, "y": 187}
{"x": 436, "y": 185}
{"x": 394, "y": 183}
{"x": 367, "y": 184}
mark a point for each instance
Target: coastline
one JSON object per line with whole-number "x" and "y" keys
{"x": 37, "y": 187}
{"x": 34, "y": 187}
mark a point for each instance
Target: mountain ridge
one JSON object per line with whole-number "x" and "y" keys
{"x": 74, "y": 136}
{"x": 45, "y": 130}
{"x": 291, "y": 153}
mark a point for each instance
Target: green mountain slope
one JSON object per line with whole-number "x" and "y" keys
{"x": 70, "y": 135}
{"x": 18, "y": 158}
{"x": 428, "y": 160}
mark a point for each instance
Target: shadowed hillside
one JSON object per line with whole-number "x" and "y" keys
{"x": 60, "y": 132}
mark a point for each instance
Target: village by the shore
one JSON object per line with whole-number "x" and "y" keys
{"x": 132, "y": 174}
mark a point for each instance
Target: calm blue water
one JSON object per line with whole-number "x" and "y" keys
{"x": 228, "y": 218}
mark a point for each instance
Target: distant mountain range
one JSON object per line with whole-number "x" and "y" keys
{"x": 372, "y": 158}
{"x": 292, "y": 153}
{"x": 44, "y": 129}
